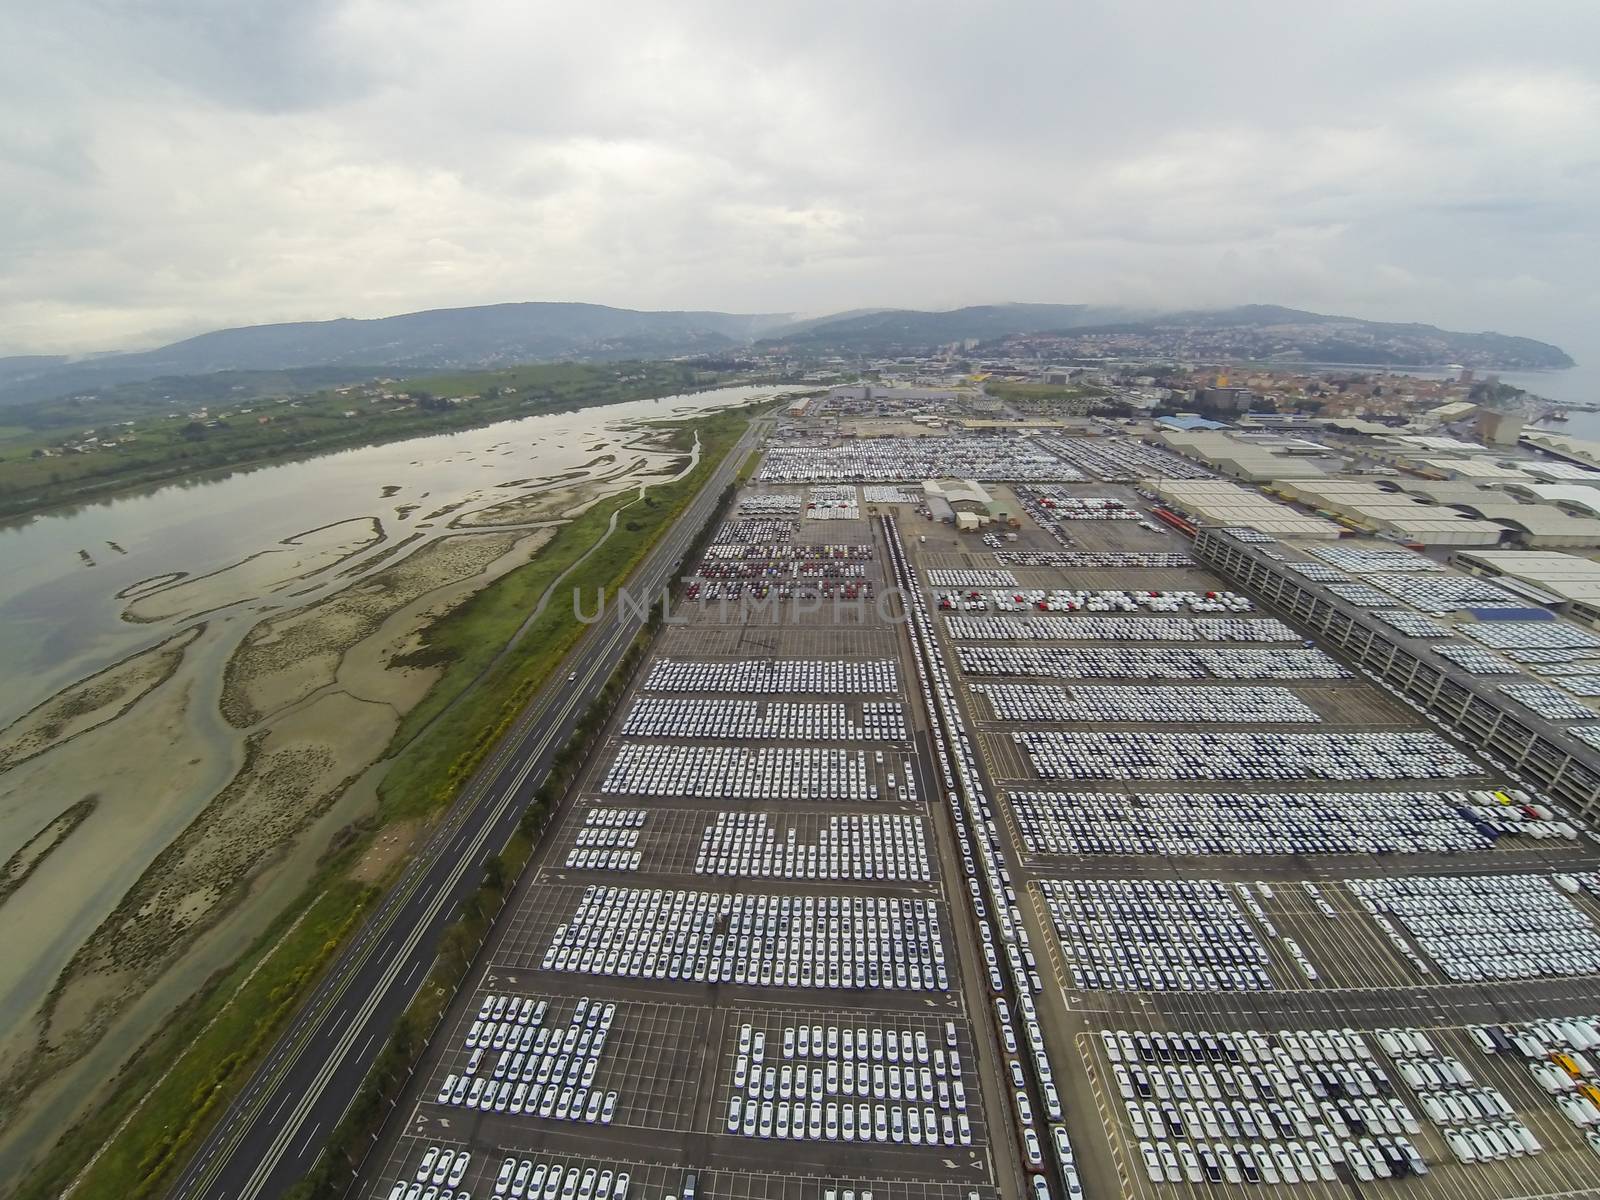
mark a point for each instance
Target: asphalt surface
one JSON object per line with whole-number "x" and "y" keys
{"x": 273, "y": 1131}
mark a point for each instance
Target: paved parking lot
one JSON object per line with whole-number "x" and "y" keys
{"x": 669, "y": 1050}
{"x": 1563, "y": 1167}
{"x": 1361, "y": 979}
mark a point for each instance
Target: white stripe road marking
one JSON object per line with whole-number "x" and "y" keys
{"x": 398, "y": 899}
{"x": 269, "y": 1162}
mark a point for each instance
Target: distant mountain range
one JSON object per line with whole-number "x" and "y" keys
{"x": 500, "y": 334}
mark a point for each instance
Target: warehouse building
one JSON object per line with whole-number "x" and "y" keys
{"x": 1254, "y": 459}
{"x": 1219, "y": 502}
{"x": 1536, "y": 525}
{"x": 1571, "y": 582}
{"x": 1368, "y": 507}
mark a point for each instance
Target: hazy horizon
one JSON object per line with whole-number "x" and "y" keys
{"x": 183, "y": 165}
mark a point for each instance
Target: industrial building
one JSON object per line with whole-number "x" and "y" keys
{"x": 1255, "y": 458}
{"x": 1537, "y": 525}
{"x": 1571, "y": 582}
{"x": 1538, "y": 749}
{"x": 950, "y": 499}
{"x": 1220, "y": 502}
{"x": 1367, "y": 506}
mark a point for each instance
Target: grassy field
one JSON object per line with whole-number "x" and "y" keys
{"x": 1039, "y": 391}
{"x": 47, "y": 457}
{"x": 428, "y": 771}
{"x": 185, "y": 1075}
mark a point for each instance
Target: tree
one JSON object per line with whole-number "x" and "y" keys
{"x": 194, "y": 431}
{"x": 494, "y": 873}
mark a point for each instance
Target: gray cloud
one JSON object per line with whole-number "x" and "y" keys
{"x": 171, "y": 166}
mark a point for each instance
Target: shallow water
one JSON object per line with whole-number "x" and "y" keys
{"x": 61, "y": 620}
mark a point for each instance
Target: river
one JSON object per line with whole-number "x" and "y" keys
{"x": 154, "y": 769}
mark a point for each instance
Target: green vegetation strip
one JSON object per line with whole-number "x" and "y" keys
{"x": 428, "y": 771}
{"x": 178, "y": 1083}
{"x": 168, "y": 429}
{"x": 185, "y": 1074}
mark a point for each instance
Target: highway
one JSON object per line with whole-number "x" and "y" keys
{"x": 272, "y": 1132}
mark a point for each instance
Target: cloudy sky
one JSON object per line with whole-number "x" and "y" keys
{"x": 169, "y": 166}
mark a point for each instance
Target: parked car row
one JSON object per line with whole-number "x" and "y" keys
{"x": 440, "y": 1171}
{"x": 1487, "y": 926}
{"x": 1549, "y": 701}
{"x": 1012, "y": 968}
{"x": 1248, "y": 705}
{"x": 970, "y": 577}
{"x": 552, "y": 1181}
{"x": 1319, "y": 572}
{"x": 765, "y": 720}
{"x": 1561, "y": 1055}
{"x": 746, "y": 530}
{"x": 1362, "y": 595}
{"x": 803, "y": 582}
{"x": 536, "y": 1069}
{"x": 855, "y": 846}
{"x": 783, "y": 551}
{"x": 607, "y": 828}
{"x": 1156, "y": 935}
{"x": 726, "y": 773}
{"x": 1123, "y": 458}
{"x": 1109, "y": 600}
{"x": 914, "y": 459}
{"x": 769, "y": 504}
{"x": 1375, "y": 560}
{"x": 858, "y": 1085}
{"x": 1251, "y": 823}
{"x": 832, "y": 504}
{"x": 1093, "y": 560}
{"x": 767, "y": 941}
{"x": 603, "y": 858}
{"x": 1438, "y": 595}
{"x": 1088, "y": 627}
{"x": 876, "y": 493}
{"x": 1475, "y": 660}
{"x": 1131, "y": 754}
{"x": 1412, "y": 624}
{"x": 1451, "y": 1097}
{"x": 1314, "y": 1097}
{"x": 861, "y": 676}
{"x": 1065, "y": 506}
{"x": 1128, "y": 662}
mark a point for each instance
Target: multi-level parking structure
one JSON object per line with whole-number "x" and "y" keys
{"x": 1204, "y": 705}
{"x": 1117, "y": 662}
{"x": 1134, "y": 754}
{"x": 1255, "y": 823}
{"x": 1536, "y": 750}
{"x": 1094, "y": 559}
{"x": 1093, "y": 627}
